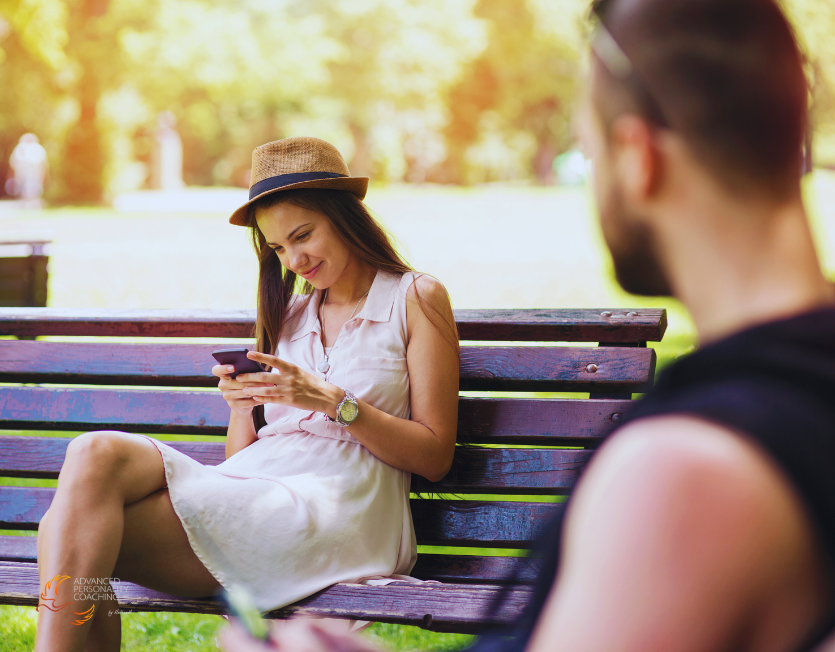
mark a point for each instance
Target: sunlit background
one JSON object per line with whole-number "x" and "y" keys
{"x": 459, "y": 110}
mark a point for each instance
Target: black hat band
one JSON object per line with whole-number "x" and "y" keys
{"x": 271, "y": 183}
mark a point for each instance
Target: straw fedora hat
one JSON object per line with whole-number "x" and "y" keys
{"x": 297, "y": 163}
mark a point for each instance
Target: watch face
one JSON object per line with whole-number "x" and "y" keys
{"x": 348, "y": 411}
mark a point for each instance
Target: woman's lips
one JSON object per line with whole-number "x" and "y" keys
{"x": 312, "y": 272}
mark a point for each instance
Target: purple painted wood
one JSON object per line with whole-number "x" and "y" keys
{"x": 437, "y": 522}
{"x": 442, "y": 568}
{"x": 510, "y": 471}
{"x": 480, "y": 470}
{"x": 519, "y": 368}
{"x": 43, "y": 457}
{"x": 563, "y": 325}
{"x": 18, "y": 548}
{"x": 21, "y": 508}
{"x": 480, "y": 523}
{"x": 556, "y": 368}
{"x": 568, "y": 422}
{"x": 538, "y": 421}
{"x": 438, "y": 607}
{"x": 588, "y": 325}
{"x": 476, "y": 569}
{"x": 186, "y": 365}
{"x": 133, "y": 410}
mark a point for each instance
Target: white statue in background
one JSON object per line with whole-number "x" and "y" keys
{"x": 167, "y": 155}
{"x": 28, "y": 170}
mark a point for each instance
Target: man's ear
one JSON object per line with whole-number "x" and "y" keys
{"x": 635, "y": 156}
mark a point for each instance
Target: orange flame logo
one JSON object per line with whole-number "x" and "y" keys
{"x": 54, "y": 588}
{"x": 87, "y": 615}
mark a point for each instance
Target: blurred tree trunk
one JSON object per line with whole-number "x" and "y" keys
{"x": 85, "y": 155}
{"x": 83, "y": 176}
{"x": 543, "y": 163}
{"x": 360, "y": 165}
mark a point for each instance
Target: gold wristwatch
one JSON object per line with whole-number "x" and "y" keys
{"x": 347, "y": 411}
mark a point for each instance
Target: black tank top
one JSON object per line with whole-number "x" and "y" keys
{"x": 774, "y": 382}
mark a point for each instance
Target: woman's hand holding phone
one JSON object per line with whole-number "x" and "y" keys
{"x": 233, "y": 363}
{"x": 231, "y": 388}
{"x": 291, "y": 386}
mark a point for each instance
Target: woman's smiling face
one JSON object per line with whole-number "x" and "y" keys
{"x": 305, "y": 242}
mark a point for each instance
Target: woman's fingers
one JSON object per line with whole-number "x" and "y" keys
{"x": 271, "y": 360}
{"x": 279, "y": 389}
{"x": 223, "y": 370}
{"x": 264, "y": 378}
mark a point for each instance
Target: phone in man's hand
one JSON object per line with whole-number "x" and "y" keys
{"x": 239, "y": 605}
{"x": 237, "y": 358}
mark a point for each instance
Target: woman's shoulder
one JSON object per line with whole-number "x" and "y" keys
{"x": 427, "y": 287}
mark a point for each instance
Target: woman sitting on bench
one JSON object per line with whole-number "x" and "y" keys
{"x": 362, "y": 391}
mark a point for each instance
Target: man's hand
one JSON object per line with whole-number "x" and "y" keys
{"x": 297, "y": 635}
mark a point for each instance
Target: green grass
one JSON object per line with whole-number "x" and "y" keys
{"x": 176, "y": 632}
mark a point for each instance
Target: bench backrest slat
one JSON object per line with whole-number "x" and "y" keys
{"x": 587, "y": 325}
{"x": 488, "y": 470}
{"x": 437, "y": 522}
{"x": 537, "y": 422}
{"x": 483, "y": 368}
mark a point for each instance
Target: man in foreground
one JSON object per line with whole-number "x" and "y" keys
{"x": 707, "y": 521}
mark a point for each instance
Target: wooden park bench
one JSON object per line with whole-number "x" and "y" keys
{"x": 536, "y": 447}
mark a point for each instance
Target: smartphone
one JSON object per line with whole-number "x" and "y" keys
{"x": 239, "y": 605}
{"x": 237, "y": 358}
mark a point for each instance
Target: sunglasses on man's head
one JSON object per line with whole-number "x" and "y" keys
{"x": 604, "y": 45}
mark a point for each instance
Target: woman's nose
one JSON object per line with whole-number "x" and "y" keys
{"x": 297, "y": 259}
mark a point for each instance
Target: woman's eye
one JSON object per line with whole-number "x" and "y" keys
{"x": 303, "y": 236}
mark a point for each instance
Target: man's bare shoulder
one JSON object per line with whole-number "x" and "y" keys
{"x": 682, "y": 516}
{"x": 702, "y": 468}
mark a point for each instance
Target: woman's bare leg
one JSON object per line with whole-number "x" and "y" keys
{"x": 111, "y": 517}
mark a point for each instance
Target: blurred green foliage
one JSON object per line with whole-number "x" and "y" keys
{"x": 454, "y": 91}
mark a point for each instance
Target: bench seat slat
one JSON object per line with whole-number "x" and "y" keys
{"x": 483, "y": 368}
{"x": 559, "y": 325}
{"x": 442, "y": 568}
{"x": 438, "y": 607}
{"x": 536, "y": 421}
{"x": 437, "y": 522}
{"x": 487, "y": 470}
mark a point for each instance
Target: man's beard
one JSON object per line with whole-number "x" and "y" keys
{"x": 637, "y": 266}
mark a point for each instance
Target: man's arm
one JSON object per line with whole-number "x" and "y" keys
{"x": 682, "y": 536}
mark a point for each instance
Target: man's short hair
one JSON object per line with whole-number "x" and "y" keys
{"x": 728, "y": 76}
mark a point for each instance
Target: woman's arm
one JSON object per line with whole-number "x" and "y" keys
{"x": 241, "y": 431}
{"x": 423, "y": 444}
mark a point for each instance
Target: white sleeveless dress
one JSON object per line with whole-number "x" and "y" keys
{"x": 306, "y": 505}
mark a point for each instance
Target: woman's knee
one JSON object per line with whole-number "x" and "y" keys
{"x": 97, "y": 453}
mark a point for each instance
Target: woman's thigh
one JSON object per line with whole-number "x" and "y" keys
{"x": 155, "y": 551}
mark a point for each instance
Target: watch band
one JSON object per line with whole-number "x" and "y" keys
{"x": 349, "y": 398}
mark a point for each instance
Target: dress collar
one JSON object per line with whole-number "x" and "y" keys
{"x": 378, "y": 306}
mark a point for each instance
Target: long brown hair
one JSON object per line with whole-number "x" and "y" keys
{"x": 364, "y": 237}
